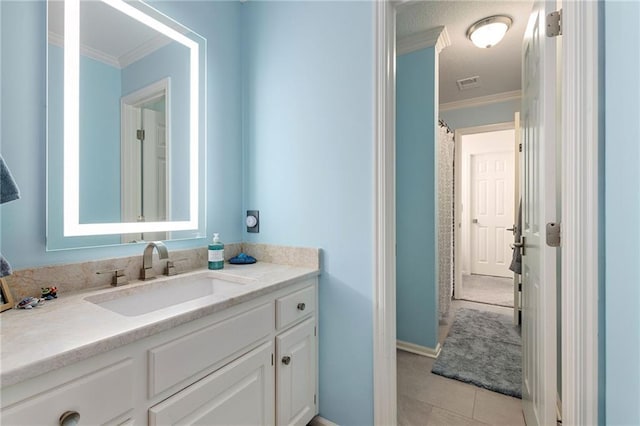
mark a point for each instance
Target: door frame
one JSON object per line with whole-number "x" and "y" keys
{"x": 458, "y": 247}
{"x": 580, "y": 213}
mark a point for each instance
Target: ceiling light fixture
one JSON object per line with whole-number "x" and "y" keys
{"x": 489, "y": 31}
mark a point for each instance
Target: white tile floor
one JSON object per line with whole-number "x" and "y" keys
{"x": 487, "y": 289}
{"x": 426, "y": 399}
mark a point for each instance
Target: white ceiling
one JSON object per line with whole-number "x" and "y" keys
{"x": 107, "y": 34}
{"x": 498, "y": 67}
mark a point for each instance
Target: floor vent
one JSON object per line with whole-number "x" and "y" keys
{"x": 468, "y": 83}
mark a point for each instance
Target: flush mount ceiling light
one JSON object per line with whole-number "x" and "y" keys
{"x": 489, "y": 31}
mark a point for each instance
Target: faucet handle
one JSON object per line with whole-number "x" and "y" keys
{"x": 118, "y": 277}
{"x": 171, "y": 267}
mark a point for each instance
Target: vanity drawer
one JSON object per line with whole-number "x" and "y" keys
{"x": 102, "y": 397}
{"x": 179, "y": 359}
{"x": 295, "y": 306}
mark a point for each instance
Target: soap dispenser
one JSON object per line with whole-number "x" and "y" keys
{"x": 216, "y": 253}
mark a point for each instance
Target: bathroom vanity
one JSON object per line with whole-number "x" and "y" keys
{"x": 237, "y": 346}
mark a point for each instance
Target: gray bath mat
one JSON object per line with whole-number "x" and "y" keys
{"x": 485, "y": 349}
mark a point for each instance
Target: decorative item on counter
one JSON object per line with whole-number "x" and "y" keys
{"x": 29, "y": 302}
{"x": 49, "y": 293}
{"x": 6, "y": 299}
{"x": 242, "y": 259}
{"x": 216, "y": 253}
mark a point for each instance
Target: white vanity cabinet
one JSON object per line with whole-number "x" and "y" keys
{"x": 253, "y": 363}
{"x": 240, "y": 393}
{"x": 296, "y": 374}
{"x": 104, "y": 396}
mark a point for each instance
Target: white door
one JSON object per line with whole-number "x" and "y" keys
{"x": 491, "y": 213}
{"x": 154, "y": 171}
{"x": 241, "y": 393}
{"x": 538, "y": 121}
{"x": 295, "y": 375}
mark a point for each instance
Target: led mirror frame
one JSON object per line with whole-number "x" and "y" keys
{"x": 71, "y": 186}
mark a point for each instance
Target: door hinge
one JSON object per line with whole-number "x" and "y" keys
{"x": 554, "y": 23}
{"x": 315, "y": 330}
{"x": 140, "y": 135}
{"x": 520, "y": 147}
{"x": 553, "y": 234}
{"x": 272, "y": 359}
{"x": 314, "y": 399}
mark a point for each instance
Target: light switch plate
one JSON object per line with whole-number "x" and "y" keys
{"x": 256, "y": 214}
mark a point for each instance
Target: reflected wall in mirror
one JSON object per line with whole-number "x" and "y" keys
{"x": 126, "y": 125}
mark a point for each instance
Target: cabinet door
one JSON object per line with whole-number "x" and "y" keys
{"x": 296, "y": 374}
{"x": 241, "y": 393}
{"x": 104, "y": 396}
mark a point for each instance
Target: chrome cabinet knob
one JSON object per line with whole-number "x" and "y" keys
{"x": 69, "y": 418}
{"x": 301, "y": 306}
{"x": 286, "y": 360}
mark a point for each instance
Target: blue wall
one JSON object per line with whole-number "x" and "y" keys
{"x": 100, "y": 133}
{"x": 99, "y": 155}
{"x": 499, "y": 112}
{"x": 622, "y": 212}
{"x": 24, "y": 138}
{"x": 416, "y": 198}
{"x": 308, "y": 125}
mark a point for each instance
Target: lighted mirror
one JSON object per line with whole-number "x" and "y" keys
{"x": 126, "y": 126}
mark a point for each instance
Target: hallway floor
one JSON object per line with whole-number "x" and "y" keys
{"x": 426, "y": 399}
{"x": 488, "y": 289}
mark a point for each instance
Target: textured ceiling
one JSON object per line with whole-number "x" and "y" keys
{"x": 498, "y": 67}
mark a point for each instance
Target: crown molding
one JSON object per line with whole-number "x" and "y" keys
{"x": 123, "y": 61}
{"x": 437, "y": 37}
{"x": 482, "y": 100}
{"x": 143, "y": 50}
{"x": 58, "y": 40}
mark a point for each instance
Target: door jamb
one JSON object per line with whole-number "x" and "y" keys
{"x": 580, "y": 207}
{"x": 580, "y": 211}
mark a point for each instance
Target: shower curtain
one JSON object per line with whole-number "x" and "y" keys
{"x": 445, "y": 218}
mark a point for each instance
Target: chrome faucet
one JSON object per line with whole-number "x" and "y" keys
{"x": 146, "y": 273}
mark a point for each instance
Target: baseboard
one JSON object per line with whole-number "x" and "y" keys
{"x": 321, "y": 421}
{"x": 419, "y": 350}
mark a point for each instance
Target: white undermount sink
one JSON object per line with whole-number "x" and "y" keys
{"x": 167, "y": 292}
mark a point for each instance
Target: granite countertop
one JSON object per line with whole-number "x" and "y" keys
{"x": 70, "y": 328}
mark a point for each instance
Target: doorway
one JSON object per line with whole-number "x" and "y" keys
{"x": 145, "y": 163}
{"x": 486, "y": 188}
{"x": 580, "y": 198}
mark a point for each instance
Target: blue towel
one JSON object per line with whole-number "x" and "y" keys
{"x": 5, "y": 268}
{"x": 8, "y": 188}
{"x": 8, "y": 192}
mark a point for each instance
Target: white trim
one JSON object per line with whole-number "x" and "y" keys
{"x": 317, "y": 420}
{"x": 459, "y": 287}
{"x": 88, "y": 51}
{"x": 419, "y": 350}
{"x": 142, "y": 50}
{"x": 580, "y": 212}
{"x": 121, "y": 62}
{"x": 384, "y": 290}
{"x": 514, "y": 95}
{"x": 438, "y": 37}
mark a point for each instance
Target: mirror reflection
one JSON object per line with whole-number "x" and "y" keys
{"x": 135, "y": 107}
